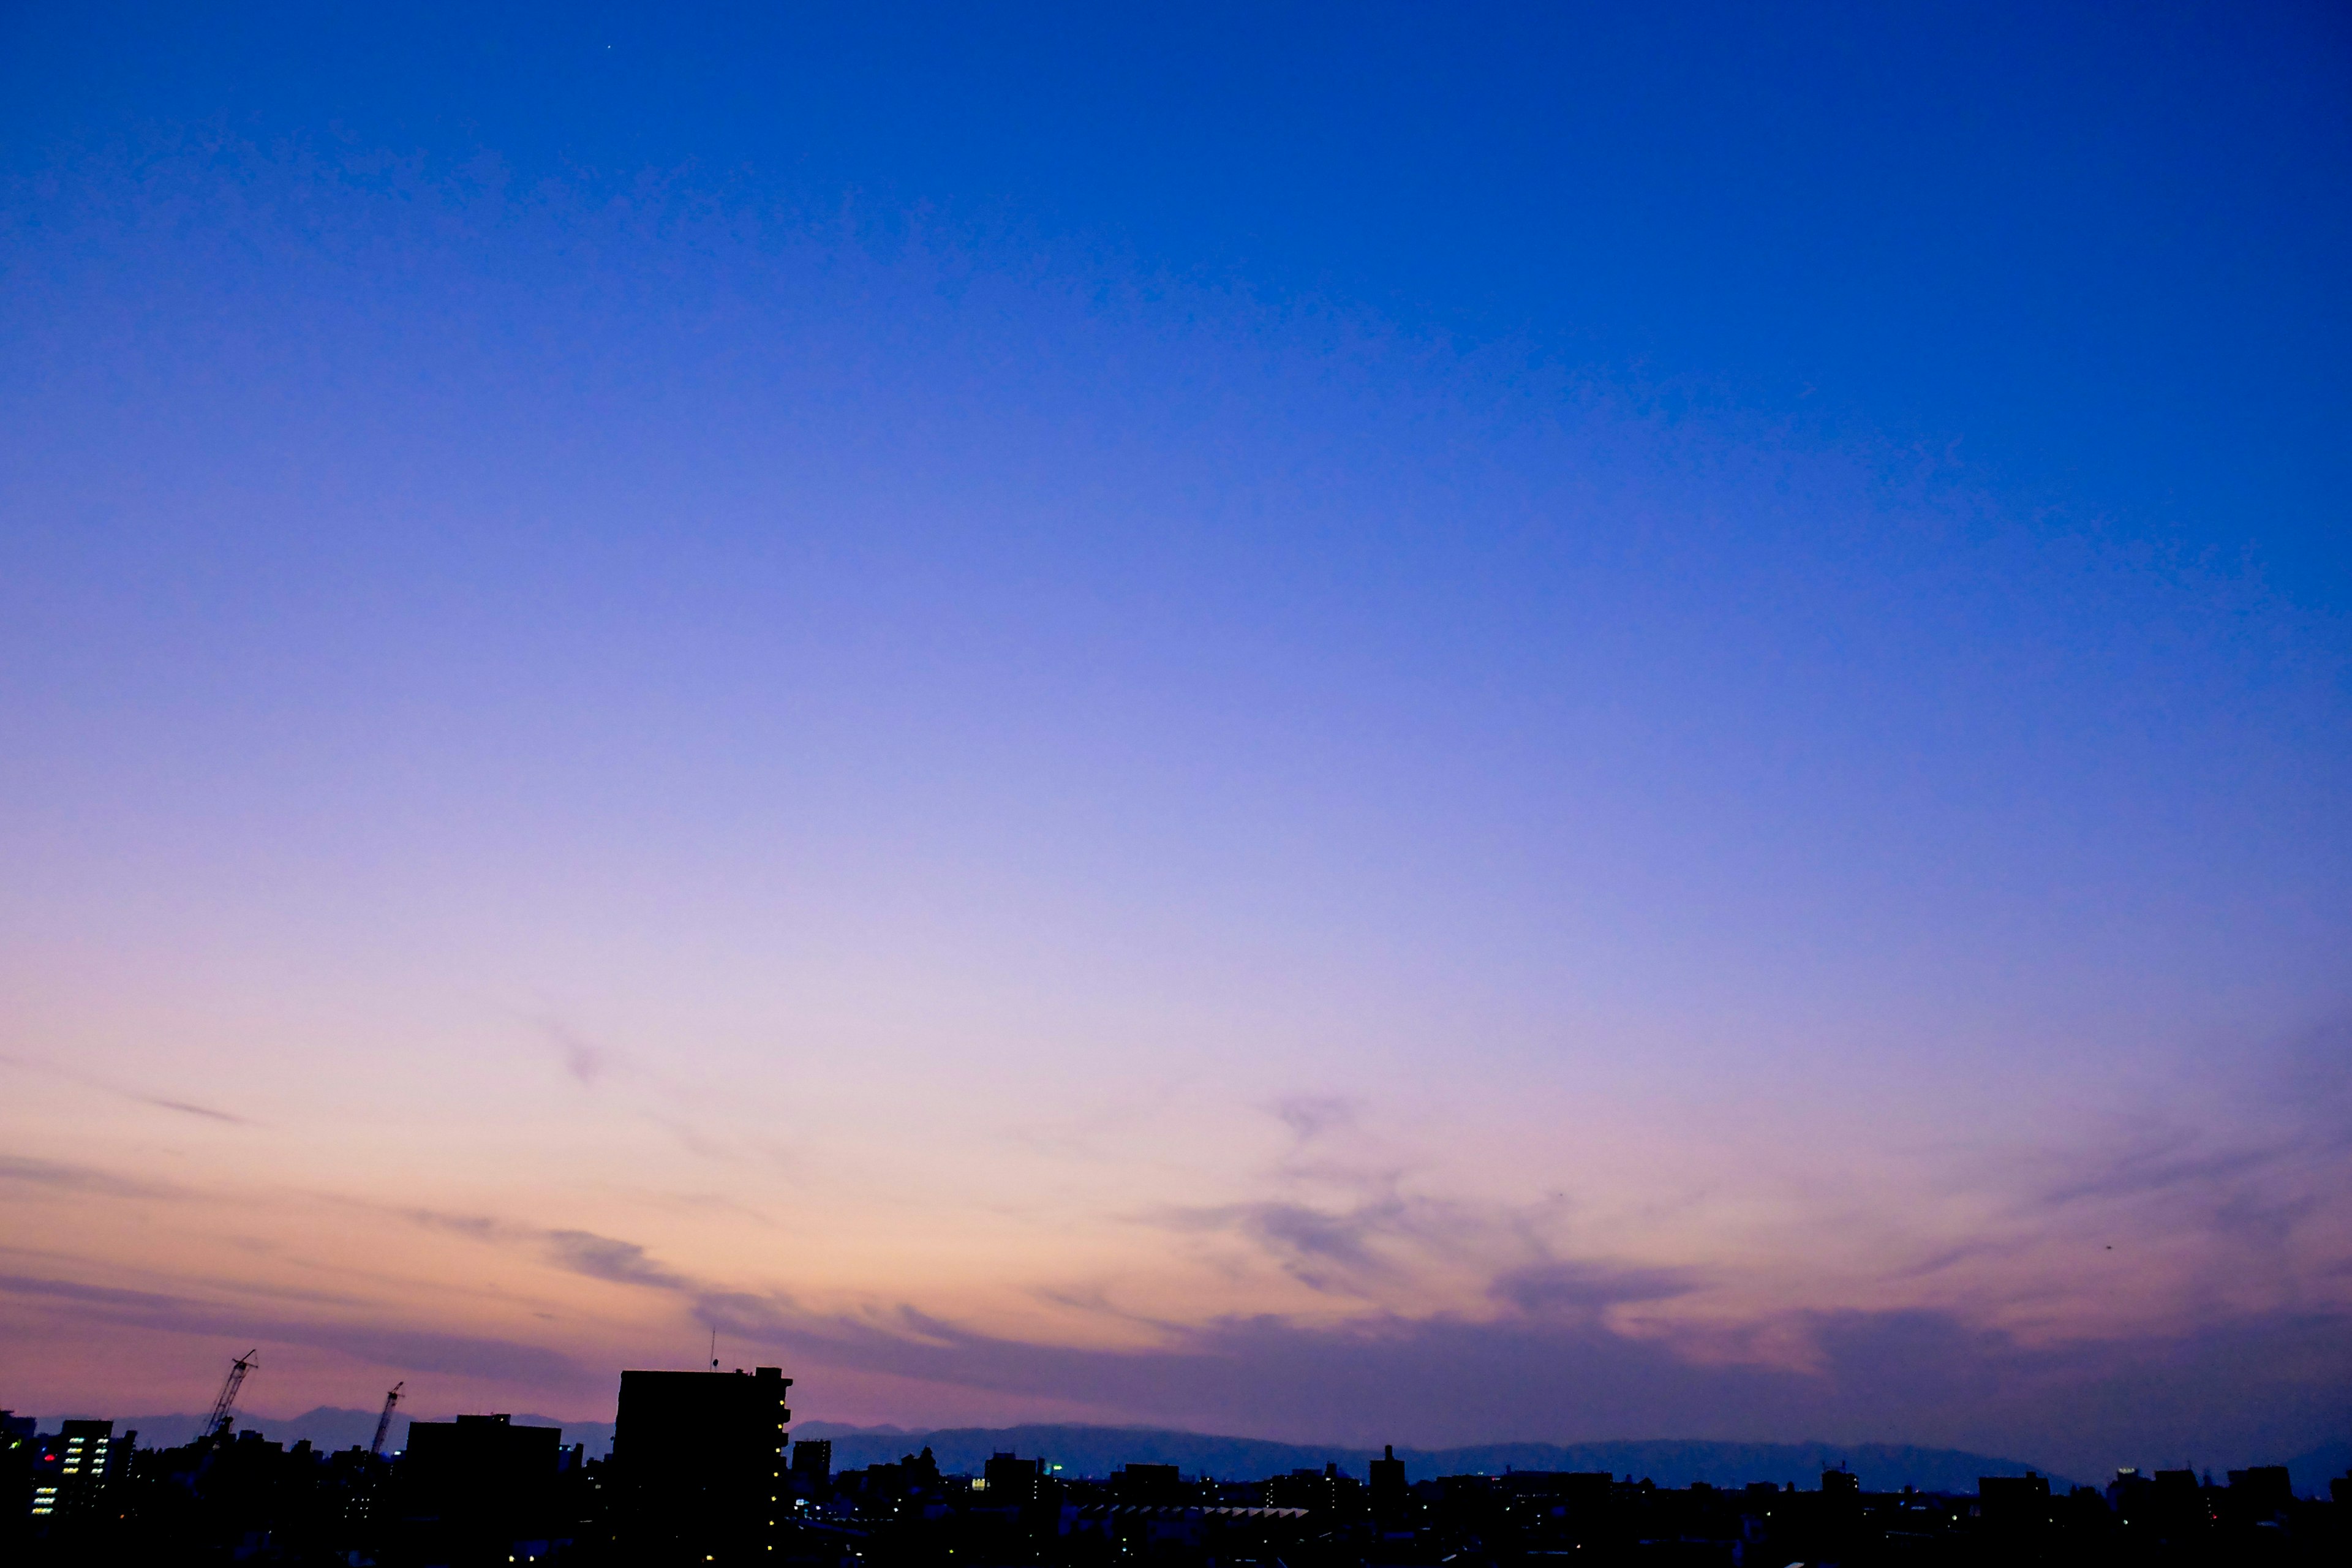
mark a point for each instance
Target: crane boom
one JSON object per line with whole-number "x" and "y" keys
{"x": 224, "y": 1411}
{"x": 383, "y": 1422}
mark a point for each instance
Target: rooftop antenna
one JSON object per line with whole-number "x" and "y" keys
{"x": 714, "y": 1348}
{"x": 224, "y": 1411}
{"x": 383, "y": 1422}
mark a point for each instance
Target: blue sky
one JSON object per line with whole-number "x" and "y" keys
{"x": 1113, "y": 690}
{"x": 2088, "y": 248}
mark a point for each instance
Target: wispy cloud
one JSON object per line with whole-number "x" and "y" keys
{"x": 121, "y": 1091}
{"x": 1331, "y": 1251}
{"x": 1348, "y": 1227}
{"x": 481, "y": 1227}
{"x": 393, "y": 1345}
{"x": 603, "y": 1257}
{"x": 187, "y": 1107}
{"x": 1311, "y": 1116}
{"x": 583, "y": 1058}
{"x": 580, "y": 1252}
{"x": 2156, "y": 1164}
{"x": 1583, "y": 1287}
{"x": 89, "y": 1295}
{"x": 58, "y": 1177}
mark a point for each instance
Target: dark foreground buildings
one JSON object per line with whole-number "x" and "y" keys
{"x": 699, "y": 1473}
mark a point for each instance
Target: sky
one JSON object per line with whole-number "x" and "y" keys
{"x": 1354, "y": 724}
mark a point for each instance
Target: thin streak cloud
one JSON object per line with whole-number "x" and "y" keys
{"x": 187, "y": 1107}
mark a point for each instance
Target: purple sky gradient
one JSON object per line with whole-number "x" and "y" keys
{"x": 1040, "y": 834}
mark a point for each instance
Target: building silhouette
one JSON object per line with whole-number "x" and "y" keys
{"x": 812, "y": 1464}
{"x": 1010, "y": 1481}
{"x": 698, "y": 1468}
{"x": 478, "y": 1489}
{"x": 75, "y": 1470}
{"x": 1390, "y": 1496}
{"x": 19, "y": 1435}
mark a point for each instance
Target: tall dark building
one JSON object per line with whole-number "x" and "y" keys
{"x": 1012, "y": 1480}
{"x": 1389, "y": 1491}
{"x": 73, "y": 1471}
{"x": 698, "y": 1467}
{"x": 471, "y": 1490}
{"x": 17, "y": 1449}
{"x": 813, "y": 1462}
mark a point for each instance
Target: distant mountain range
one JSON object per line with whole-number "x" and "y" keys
{"x": 1100, "y": 1450}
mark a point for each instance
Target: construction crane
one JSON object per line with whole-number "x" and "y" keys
{"x": 383, "y": 1422}
{"x": 224, "y": 1414}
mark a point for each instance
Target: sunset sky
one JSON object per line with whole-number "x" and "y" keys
{"x": 1416, "y": 724}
